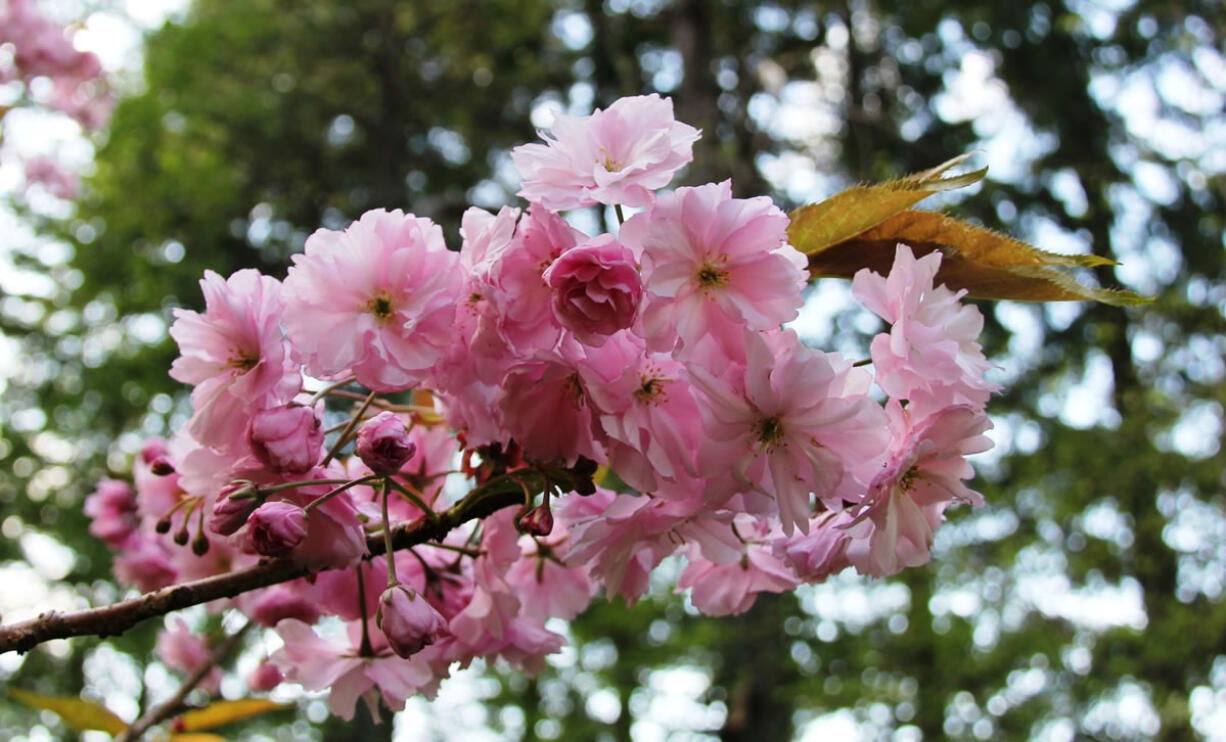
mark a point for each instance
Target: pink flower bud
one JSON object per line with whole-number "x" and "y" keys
{"x": 265, "y": 677}
{"x": 538, "y": 521}
{"x": 287, "y": 438}
{"x": 234, "y": 504}
{"x": 408, "y": 620}
{"x": 384, "y": 444}
{"x": 154, "y": 449}
{"x": 162, "y": 466}
{"x": 596, "y": 289}
{"x": 113, "y": 510}
{"x": 275, "y": 528}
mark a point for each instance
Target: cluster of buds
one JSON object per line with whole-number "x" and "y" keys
{"x": 540, "y": 360}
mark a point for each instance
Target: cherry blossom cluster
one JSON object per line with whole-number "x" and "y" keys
{"x": 34, "y": 50}
{"x": 638, "y": 387}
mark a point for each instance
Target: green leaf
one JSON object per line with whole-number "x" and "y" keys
{"x": 817, "y": 227}
{"x": 224, "y": 712}
{"x": 989, "y": 265}
{"x": 77, "y": 713}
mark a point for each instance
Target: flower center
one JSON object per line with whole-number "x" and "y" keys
{"x": 243, "y": 363}
{"x": 711, "y": 276}
{"x": 770, "y": 431}
{"x": 906, "y": 482}
{"x": 650, "y": 388}
{"x": 609, "y": 163}
{"x": 381, "y": 306}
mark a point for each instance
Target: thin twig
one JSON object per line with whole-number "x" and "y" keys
{"x": 171, "y": 706}
{"x": 119, "y": 617}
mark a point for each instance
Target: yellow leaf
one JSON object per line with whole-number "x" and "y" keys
{"x": 77, "y": 713}
{"x": 224, "y": 712}
{"x": 989, "y": 265}
{"x": 196, "y": 737}
{"x": 817, "y": 227}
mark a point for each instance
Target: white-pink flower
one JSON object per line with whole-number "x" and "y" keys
{"x": 377, "y": 300}
{"x": 714, "y": 265}
{"x": 234, "y": 354}
{"x": 616, "y": 156}
{"x": 931, "y": 353}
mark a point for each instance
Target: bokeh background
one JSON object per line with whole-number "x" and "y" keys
{"x": 1084, "y": 601}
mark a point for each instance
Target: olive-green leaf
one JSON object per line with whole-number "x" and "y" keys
{"x": 224, "y": 712}
{"x": 77, "y": 713}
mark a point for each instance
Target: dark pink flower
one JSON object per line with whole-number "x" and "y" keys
{"x": 265, "y": 677}
{"x": 234, "y": 505}
{"x": 113, "y": 510}
{"x": 596, "y": 289}
{"x": 287, "y": 438}
{"x": 407, "y": 620}
{"x": 384, "y": 443}
{"x": 275, "y": 528}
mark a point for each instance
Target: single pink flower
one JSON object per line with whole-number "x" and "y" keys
{"x": 615, "y": 156}
{"x": 233, "y": 506}
{"x": 384, "y": 443}
{"x": 113, "y": 513}
{"x": 930, "y": 354}
{"x": 280, "y": 602}
{"x": 144, "y": 563}
{"x": 788, "y": 429}
{"x": 714, "y": 265}
{"x": 288, "y": 438}
{"x": 234, "y": 355}
{"x": 408, "y": 620}
{"x": 596, "y": 289}
{"x": 265, "y": 677}
{"x": 823, "y": 550}
{"x": 376, "y": 300}
{"x": 182, "y": 650}
{"x": 275, "y": 528}
{"x": 729, "y": 589}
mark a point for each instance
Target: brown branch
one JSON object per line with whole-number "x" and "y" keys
{"x": 119, "y": 617}
{"x": 165, "y": 710}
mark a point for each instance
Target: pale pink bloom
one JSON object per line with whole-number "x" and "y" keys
{"x": 234, "y": 355}
{"x": 286, "y": 438}
{"x": 485, "y": 236}
{"x": 548, "y": 587}
{"x": 384, "y": 443}
{"x": 408, "y": 621}
{"x": 279, "y": 602}
{"x": 922, "y": 475}
{"x": 376, "y": 300}
{"x": 787, "y": 429}
{"x": 276, "y": 528}
{"x": 337, "y": 666}
{"x": 931, "y": 351}
{"x": 51, "y": 175}
{"x": 729, "y": 589}
{"x": 112, "y": 512}
{"x": 546, "y": 407}
{"x": 615, "y": 156}
{"x": 823, "y": 550}
{"x": 596, "y": 289}
{"x": 144, "y": 563}
{"x": 180, "y": 649}
{"x": 714, "y": 265}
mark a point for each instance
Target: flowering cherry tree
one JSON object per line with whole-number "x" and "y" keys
{"x": 545, "y": 415}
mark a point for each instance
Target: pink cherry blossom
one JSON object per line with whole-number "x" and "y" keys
{"x": 787, "y": 428}
{"x": 921, "y": 477}
{"x": 932, "y": 350}
{"x": 408, "y": 621}
{"x": 275, "y": 528}
{"x": 615, "y": 156}
{"x": 714, "y": 265}
{"x": 384, "y": 443}
{"x": 287, "y": 438}
{"x": 112, "y": 510}
{"x": 729, "y": 589}
{"x": 234, "y": 355}
{"x": 596, "y": 289}
{"x": 376, "y": 300}
{"x": 181, "y": 649}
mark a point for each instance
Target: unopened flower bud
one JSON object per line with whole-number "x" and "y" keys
{"x": 265, "y": 677}
{"x": 384, "y": 444}
{"x": 408, "y": 620}
{"x": 154, "y": 449}
{"x": 584, "y": 471}
{"x": 200, "y": 545}
{"x": 287, "y": 438}
{"x": 275, "y": 528}
{"x": 162, "y": 467}
{"x": 538, "y": 521}
{"x": 181, "y": 536}
{"x": 234, "y": 504}
{"x": 163, "y": 525}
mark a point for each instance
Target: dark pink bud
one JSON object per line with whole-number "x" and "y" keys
{"x": 384, "y": 444}
{"x": 234, "y": 504}
{"x": 265, "y": 677}
{"x": 538, "y": 521}
{"x": 275, "y": 528}
{"x": 162, "y": 467}
{"x": 286, "y": 439}
{"x": 154, "y": 449}
{"x": 408, "y": 620}
{"x": 596, "y": 289}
